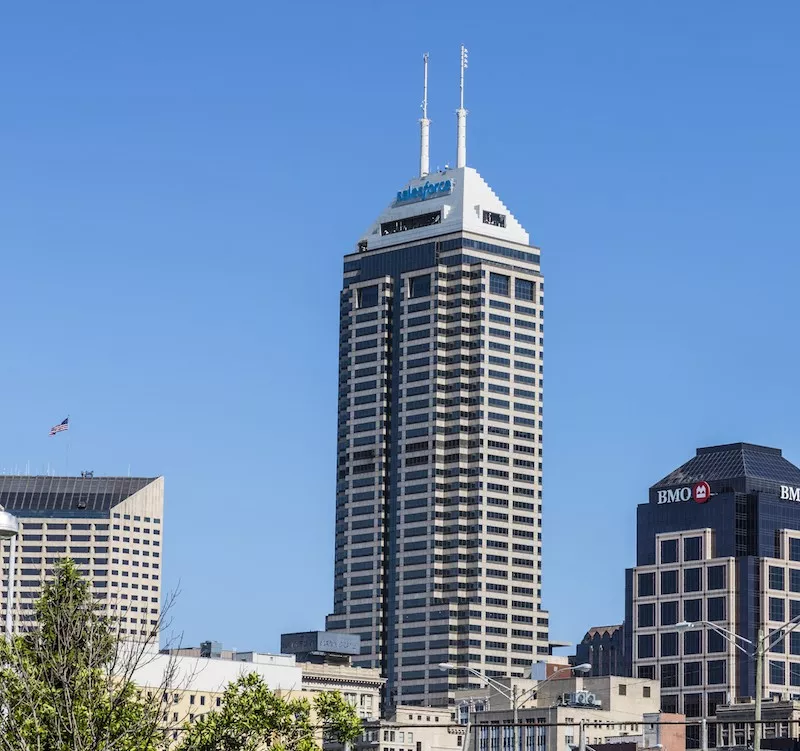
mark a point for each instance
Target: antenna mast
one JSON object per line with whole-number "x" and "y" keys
{"x": 424, "y": 124}
{"x": 461, "y": 117}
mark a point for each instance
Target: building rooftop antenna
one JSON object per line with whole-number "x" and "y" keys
{"x": 424, "y": 124}
{"x": 461, "y": 117}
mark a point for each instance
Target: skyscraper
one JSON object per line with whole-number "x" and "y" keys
{"x": 718, "y": 571}
{"x": 110, "y": 526}
{"x": 439, "y": 469}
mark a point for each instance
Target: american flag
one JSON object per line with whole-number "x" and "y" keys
{"x": 63, "y": 425}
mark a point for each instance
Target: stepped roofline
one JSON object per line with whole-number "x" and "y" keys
{"x": 452, "y": 200}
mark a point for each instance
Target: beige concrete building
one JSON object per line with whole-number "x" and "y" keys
{"x": 361, "y": 687}
{"x": 410, "y": 728}
{"x": 606, "y": 707}
{"x": 734, "y": 722}
{"x": 191, "y": 685}
{"x": 658, "y": 730}
{"x": 201, "y": 674}
{"x": 112, "y": 527}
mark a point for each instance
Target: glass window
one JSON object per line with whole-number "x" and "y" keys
{"x": 716, "y": 577}
{"x": 669, "y": 551}
{"x": 669, "y": 582}
{"x": 669, "y": 644}
{"x": 715, "y": 607}
{"x": 794, "y": 549}
{"x": 692, "y": 642}
{"x": 498, "y": 284}
{"x": 777, "y": 641}
{"x": 776, "y": 608}
{"x": 647, "y": 671}
{"x": 692, "y": 548}
{"x": 794, "y": 642}
{"x": 646, "y": 646}
{"x": 692, "y": 610}
{"x": 794, "y": 674}
{"x": 647, "y": 585}
{"x": 692, "y": 580}
{"x": 692, "y": 673}
{"x": 419, "y": 286}
{"x": 794, "y": 609}
{"x": 715, "y": 642}
{"x": 776, "y": 577}
{"x": 716, "y": 672}
{"x": 669, "y": 704}
{"x": 714, "y": 699}
{"x": 794, "y": 580}
{"x": 368, "y": 296}
{"x": 669, "y": 675}
{"x": 692, "y": 703}
{"x": 647, "y": 615}
{"x": 777, "y": 672}
{"x": 523, "y": 289}
{"x": 669, "y": 613}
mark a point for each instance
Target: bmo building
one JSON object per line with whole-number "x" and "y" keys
{"x": 717, "y": 553}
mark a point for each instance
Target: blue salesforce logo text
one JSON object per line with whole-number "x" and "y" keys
{"x": 423, "y": 192}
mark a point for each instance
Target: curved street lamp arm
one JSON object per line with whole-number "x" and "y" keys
{"x": 499, "y": 687}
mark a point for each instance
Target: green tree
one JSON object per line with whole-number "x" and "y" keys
{"x": 252, "y": 718}
{"x": 67, "y": 684}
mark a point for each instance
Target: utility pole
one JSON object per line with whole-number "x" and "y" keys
{"x": 515, "y": 707}
{"x": 760, "y": 647}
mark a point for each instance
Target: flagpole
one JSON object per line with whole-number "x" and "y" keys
{"x": 67, "y": 459}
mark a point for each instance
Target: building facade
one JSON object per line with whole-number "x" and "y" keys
{"x": 606, "y": 707}
{"x": 409, "y": 728}
{"x": 190, "y": 686}
{"x": 717, "y": 542}
{"x": 603, "y": 647}
{"x": 112, "y": 527}
{"x": 439, "y": 466}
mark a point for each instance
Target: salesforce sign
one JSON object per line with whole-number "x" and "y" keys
{"x": 424, "y": 192}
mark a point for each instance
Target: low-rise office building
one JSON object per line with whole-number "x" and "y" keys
{"x": 659, "y": 731}
{"x": 606, "y": 707}
{"x": 191, "y": 686}
{"x": 198, "y": 676}
{"x": 735, "y": 722}
{"x": 410, "y": 728}
{"x": 325, "y": 659}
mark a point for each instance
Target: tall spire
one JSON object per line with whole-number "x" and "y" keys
{"x": 461, "y": 117}
{"x": 424, "y": 124}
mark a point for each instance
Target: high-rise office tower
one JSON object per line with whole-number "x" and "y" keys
{"x": 439, "y": 484}
{"x": 717, "y": 572}
{"x": 110, "y": 526}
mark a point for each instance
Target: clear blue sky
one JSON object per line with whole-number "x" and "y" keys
{"x": 179, "y": 181}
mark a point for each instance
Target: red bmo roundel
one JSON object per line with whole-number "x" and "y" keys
{"x": 701, "y": 492}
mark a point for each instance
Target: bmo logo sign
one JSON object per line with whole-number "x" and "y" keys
{"x": 790, "y": 494}
{"x": 700, "y": 492}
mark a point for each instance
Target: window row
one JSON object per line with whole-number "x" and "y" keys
{"x": 669, "y": 581}
{"x": 669, "y": 612}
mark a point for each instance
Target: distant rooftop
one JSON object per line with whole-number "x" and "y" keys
{"x": 601, "y": 630}
{"x": 42, "y": 495}
{"x": 732, "y": 461}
